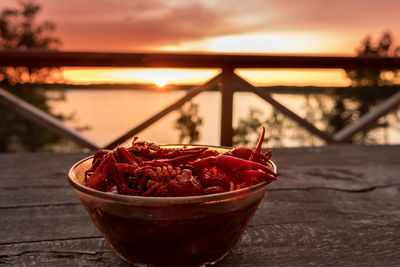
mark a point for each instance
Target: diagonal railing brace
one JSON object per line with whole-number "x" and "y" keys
{"x": 41, "y": 118}
{"x": 383, "y": 108}
{"x": 284, "y": 110}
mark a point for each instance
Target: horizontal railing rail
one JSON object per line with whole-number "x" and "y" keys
{"x": 46, "y": 58}
{"x": 227, "y": 80}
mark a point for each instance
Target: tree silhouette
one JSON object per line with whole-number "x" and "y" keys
{"x": 351, "y": 103}
{"x": 20, "y": 30}
{"x": 383, "y": 48}
{"x": 188, "y": 123}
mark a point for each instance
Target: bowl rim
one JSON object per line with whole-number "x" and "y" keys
{"x": 164, "y": 200}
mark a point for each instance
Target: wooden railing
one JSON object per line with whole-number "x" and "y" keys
{"x": 227, "y": 80}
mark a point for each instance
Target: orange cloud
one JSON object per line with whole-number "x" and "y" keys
{"x": 140, "y": 24}
{"x": 143, "y": 25}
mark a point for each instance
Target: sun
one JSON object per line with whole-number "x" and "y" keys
{"x": 160, "y": 82}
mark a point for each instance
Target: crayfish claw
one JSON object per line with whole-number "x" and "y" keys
{"x": 122, "y": 155}
{"x": 185, "y": 184}
{"x": 98, "y": 178}
{"x": 229, "y": 163}
{"x": 250, "y": 154}
{"x": 260, "y": 141}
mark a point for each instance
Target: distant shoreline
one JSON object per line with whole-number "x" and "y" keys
{"x": 172, "y": 87}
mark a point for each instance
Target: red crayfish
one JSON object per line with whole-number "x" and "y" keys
{"x": 146, "y": 169}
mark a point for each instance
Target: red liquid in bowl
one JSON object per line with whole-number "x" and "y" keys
{"x": 191, "y": 242}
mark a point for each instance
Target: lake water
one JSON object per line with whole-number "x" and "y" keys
{"x": 111, "y": 113}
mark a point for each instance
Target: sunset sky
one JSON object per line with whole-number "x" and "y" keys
{"x": 233, "y": 26}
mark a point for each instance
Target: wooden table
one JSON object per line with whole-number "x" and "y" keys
{"x": 336, "y": 205}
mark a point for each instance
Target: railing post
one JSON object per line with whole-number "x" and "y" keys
{"x": 227, "y": 90}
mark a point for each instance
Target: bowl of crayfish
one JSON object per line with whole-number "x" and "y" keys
{"x": 180, "y": 205}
